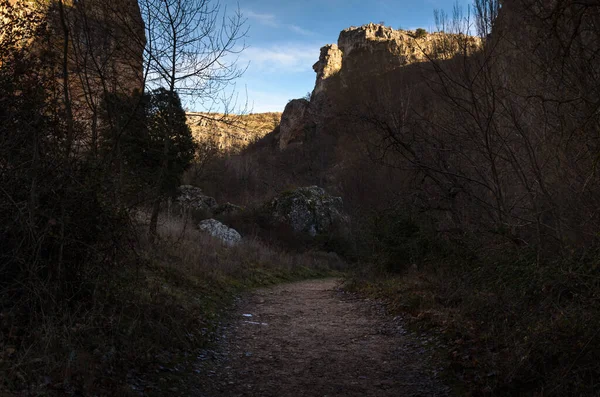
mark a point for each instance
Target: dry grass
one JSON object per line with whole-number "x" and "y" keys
{"x": 199, "y": 254}
{"x": 156, "y": 312}
{"x": 512, "y": 328}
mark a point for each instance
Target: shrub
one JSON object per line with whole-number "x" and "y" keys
{"x": 420, "y": 33}
{"x": 398, "y": 240}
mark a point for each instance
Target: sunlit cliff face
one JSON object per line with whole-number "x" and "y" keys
{"x": 103, "y": 42}
{"x": 374, "y": 49}
{"x": 364, "y": 57}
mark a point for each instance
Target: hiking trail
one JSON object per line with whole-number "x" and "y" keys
{"x": 311, "y": 339}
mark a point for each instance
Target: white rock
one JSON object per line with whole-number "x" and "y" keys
{"x": 216, "y": 229}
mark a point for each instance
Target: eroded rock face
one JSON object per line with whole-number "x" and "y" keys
{"x": 294, "y": 122}
{"x": 109, "y": 32}
{"x": 365, "y": 58}
{"x": 328, "y": 65}
{"x": 192, "y": 198}
{"x": 371, "y": 35}
{"x": 105, "y": 51}
{"x": 230, "y": 133}
{"x": 374, "y": 49}
{"x": 227, "y": 235}
{"x": 308, "y": 210}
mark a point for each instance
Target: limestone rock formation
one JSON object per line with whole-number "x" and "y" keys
{"x": 230, "y": 133}
{"x": 308, "y": 210}
{"x": 192, "y": 198}
{"x": 371, "y": 50}
{"x": 293, "y": 122}
{"x": 364, "y": 58}
{"x": 227, "y": 235}
{"x": 104, "y": 52}
{"x": 328, "y": 65}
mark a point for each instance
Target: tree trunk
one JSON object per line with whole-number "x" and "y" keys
{"x": 159, "y": 183}
{"x": 65, "y": 78}
{"x": 154, "y": 220}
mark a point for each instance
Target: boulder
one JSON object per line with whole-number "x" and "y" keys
{"x": 308, "y": 210}
{"x": 227, "y": 235}
{"x": 192, "y": 198}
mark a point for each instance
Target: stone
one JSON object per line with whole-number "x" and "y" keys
{"x": 308, "y": 210}
{"x": 105, "y": 52}
{"x": 192, "y": 198}
{"x": 348, "y": 73}
{"x": 230, "y": 133}
{"x": 328, "y": 65}
{"x": 293, "y": 122}
{"x": 227, "y": 235}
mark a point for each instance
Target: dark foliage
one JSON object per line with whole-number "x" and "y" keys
{"x": 148, "y": 140}
{"x": 420, "y": 33}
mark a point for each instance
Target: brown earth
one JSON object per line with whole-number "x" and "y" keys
{"x": 311, "y": 339}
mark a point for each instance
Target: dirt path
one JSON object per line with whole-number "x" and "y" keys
{"x": 309, "y": 339}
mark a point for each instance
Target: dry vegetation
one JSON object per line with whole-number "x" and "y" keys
{"x": 157, "y": 311}
{"x": 472, "y": 185}
{"x": 511, "y": 327}
{"x": 480, "y": 172}
{"x": 497, "y": 155}
{"x": 93, "y": 299}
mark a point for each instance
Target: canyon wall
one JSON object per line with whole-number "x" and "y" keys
{"x": 101, "y": 43}
{"x": 364, "y": 57}
{"x": 230, "y": 133}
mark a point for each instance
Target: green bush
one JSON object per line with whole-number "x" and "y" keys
{"x": 420, "y": 33}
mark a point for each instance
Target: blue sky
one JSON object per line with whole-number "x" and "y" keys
{"x": 285, "y": 37}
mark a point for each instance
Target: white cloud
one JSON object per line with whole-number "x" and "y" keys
{"x": 271, "y": 20}
{"x": 281, "y": 58}
{"x": 301, "y": 31}
{"x": 263, "y": 19}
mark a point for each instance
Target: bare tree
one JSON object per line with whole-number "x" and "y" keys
{"x": 507, "y": 137}
{"x": 192, "y": 48}
{"x": 486, "y": 12}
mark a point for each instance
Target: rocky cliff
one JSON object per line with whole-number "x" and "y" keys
{"x": 363, "y": 57}
{"x": 103, "y": 42}
{"x": 230, "y": 133}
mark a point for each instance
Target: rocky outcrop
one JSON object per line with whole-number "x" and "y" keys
{"x": 192, "y": 198}
{"x": 364, "y": 58}
{"x": 328, "y": 65}
{"x": 227, "y": 235}
{"x": 106, "y": 40}
{"x": 308, "y": 210}
{"x": 230, "y": 132}
{"x": 370, "y": 50}
{"x": 294, "y": 122}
